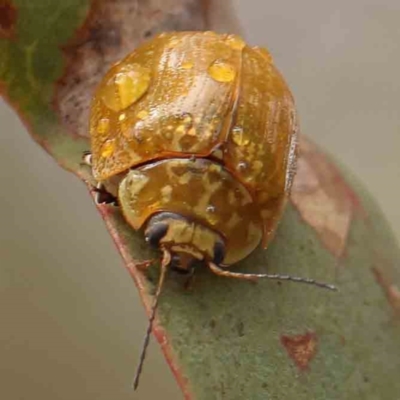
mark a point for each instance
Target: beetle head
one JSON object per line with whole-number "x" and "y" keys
{"x": 188, "y": 241}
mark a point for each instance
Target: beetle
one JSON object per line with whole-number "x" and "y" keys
{"x": 194, "y": 134}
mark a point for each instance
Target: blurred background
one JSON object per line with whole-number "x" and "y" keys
{"x": 71, "y": 321}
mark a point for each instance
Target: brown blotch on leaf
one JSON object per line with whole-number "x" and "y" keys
{"x": 323, "y": 198}
{"x": 8, "y": 19}
{"x": 112, "y": 29}
{"x": 391, "y": 291}
{"x": 301, "y": 348}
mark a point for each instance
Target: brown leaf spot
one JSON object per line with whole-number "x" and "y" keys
{"x": 8, "y": 19}
{"x": 391, "y": 291}
{"x": 111, "y": 30}
{"x": 323, "y": 198}
{"x": 301, "y": 348}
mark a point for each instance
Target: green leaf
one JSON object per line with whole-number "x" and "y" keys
{"x": 224, "y": 339}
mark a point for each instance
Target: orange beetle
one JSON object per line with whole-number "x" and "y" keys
{"x": 201, "y": 126}
{"x": 195, "y": 134}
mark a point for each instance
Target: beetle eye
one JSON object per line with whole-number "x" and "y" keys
{"x": 219, "y": 253}
{"x": 155, "y": 233}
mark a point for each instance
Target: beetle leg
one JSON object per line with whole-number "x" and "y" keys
{"x": 189, "y": 282}
{"x": 143, "y": 265}
{"x": 104, "y": 197}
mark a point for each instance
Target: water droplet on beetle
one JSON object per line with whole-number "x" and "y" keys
{"x": 187, "y": 119}
{"x": 239, "y": 137}
{"x": 184, "y": 123}
{"x": 242, "y": 166}
{"x": 167, "y": 135}
{"x": 142, "y": 114}
{"x": 235, "y": 42}
{"x": 180, "y": 129}
{"x": 222, "y": 71}
{"x": 212, "y": 216}
{"x": 263, "y": 52}
{"x": 173, "y": 41}
{"x": 187, "y": 65}
{"x": 126, "y": 87}
{"x": 107, "y": 148}
{"x": 103, "y": 126}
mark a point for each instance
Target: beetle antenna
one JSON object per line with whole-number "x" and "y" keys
{"x": 254, "y": 277}
{"x": 164, "y": 265}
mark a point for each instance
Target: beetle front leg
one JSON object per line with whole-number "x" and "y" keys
{"x": 144, "y": 264}
{"x": 189, "y": 282}
{"x": 103, "y": 196}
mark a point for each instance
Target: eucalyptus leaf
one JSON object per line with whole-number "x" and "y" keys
{"x": 224, "y": 339}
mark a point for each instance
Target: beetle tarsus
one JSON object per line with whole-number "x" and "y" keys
{"x": 143, "y": 265}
